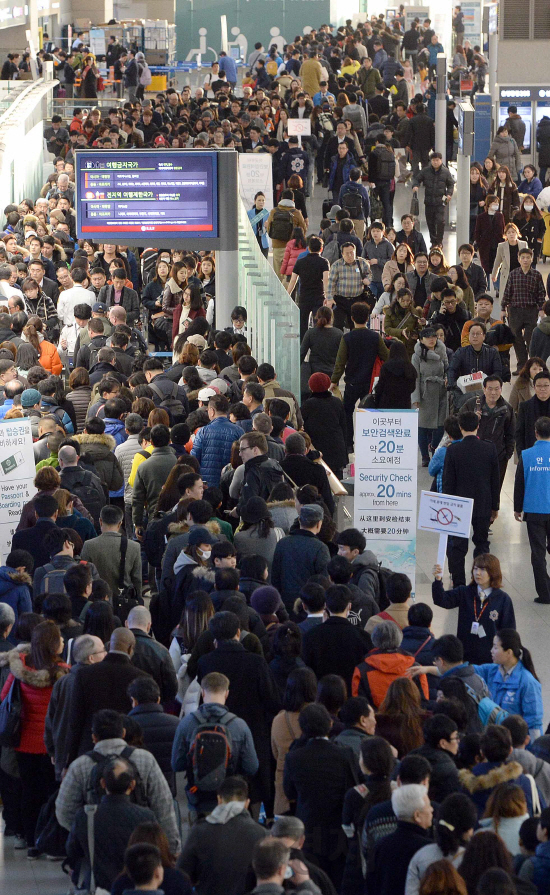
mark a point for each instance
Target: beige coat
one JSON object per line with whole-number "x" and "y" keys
{"x": 284, "y": 730}
{"x": 502, "y": 261}
{"x": 389, "y": 271}
{"x": 398, "y": 612}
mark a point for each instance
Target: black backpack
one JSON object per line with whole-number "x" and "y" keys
{"x": 385, "y": 164}
{"x": 92, "y": 498}
{"x": 170, "y": 402}
{"x": 95, "y": 790}
{"x": 282, "y": 224}
{"x": 210, "y": 753}
{"x": 353, "y": 204}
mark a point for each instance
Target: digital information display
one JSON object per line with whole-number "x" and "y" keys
{"x": 128, "y": 193}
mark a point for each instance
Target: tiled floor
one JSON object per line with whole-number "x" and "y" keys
{"x": 509, "y": 542}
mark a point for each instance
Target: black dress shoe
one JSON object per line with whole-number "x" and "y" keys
{"x": 544, "y": 602}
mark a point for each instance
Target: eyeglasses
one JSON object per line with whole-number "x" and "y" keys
{"x": 455, "y": 738}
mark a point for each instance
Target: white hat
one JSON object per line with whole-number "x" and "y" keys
{"x": 206, "y": 393}
{"x": 220, "y": 385}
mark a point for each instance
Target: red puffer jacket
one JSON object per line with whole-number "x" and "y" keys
{"x": 36, "y": 690}
{"x": 290, "y": 257}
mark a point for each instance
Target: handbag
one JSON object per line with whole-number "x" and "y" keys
{"x": 415, "y": 206}
{"x": 10, "y": 716}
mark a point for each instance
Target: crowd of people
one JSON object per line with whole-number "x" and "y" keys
{"x": 204, "y": 684}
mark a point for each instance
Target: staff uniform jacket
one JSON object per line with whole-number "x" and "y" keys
{"x": 128, "y": 300}
{"x": 74, "y": 791}
{"x": 497, "y": 425}
{"x": 519, "y": 693}
{"x": 212, "y": 447}
{"x": 498, "y": 614}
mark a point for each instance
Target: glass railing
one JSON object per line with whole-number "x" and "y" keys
{"x": 273, "y": 317}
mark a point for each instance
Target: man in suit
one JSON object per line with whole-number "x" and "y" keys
{"x": 101, "y": 686}
{"x": 33, "y": 539}
{"x": 316, "y": 778}
{"x": 336, "y": 646}
{"x": 471, "y": 470}
{"x": 253, "y": 694}
{"x": 120, "y": 294}
{"x": 36, "y": 270}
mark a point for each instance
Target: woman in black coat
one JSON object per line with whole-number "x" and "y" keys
{"x": 397, "y": 380}
{"x": 325, "y": 423}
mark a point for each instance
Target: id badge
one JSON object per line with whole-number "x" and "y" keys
{"x": 481, "y": 631}
{"x": 474, "y": 628}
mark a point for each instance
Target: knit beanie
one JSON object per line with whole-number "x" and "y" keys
{"x": 319, "y": 382}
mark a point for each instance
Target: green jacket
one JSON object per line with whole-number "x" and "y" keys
{"x": 368, "y": 80}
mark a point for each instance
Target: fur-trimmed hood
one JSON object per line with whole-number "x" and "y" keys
{"x": 38, "y": 679}
{"x": 104, "y": 440}
{"x": 181, "y": 528}
{"x": 281, "y": 503}
{"x": 11, "y": 577}
{"x": 481, "y": 782}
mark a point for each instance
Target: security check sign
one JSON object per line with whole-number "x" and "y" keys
{"x": 445, "y": 514}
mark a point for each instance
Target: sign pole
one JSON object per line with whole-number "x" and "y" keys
{"x": 442, "y": 550}
{"x": 465, "y": 151}
{"x": 441, "y": 106}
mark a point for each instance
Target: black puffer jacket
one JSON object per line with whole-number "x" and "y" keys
{"x": 159, "y": 730}
{"x": 436, "y": 184}
{"x": 466, "y": 360}
{"x": 497, "y": 425}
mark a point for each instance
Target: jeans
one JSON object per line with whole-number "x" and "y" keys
{"x": 538, "y": 531}
{"x": 376, "y": 287}
{"x": 427, "y": 437}
{"x": 457, "y": 548}
{"x": 522, "y": 323}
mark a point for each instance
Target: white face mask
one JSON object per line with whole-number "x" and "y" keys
{"x": 205, "y": 554}
{"x": 528, "y": 207}
{"x": 493, "y": 209}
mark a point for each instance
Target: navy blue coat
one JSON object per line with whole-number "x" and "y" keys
{"x": 159, "y": 730}
{"x": 212, "y": 448}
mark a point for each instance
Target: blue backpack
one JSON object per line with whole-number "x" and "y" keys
{"x": 487, "y": 709}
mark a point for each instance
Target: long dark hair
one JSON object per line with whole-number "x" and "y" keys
{"x": 99, "y": 620}
{"x": 298, "y": 237}
{"x": 196, "y": 299}
{"x": 510, "y": 639}
{"x": 152, "y": 833}
{"x": 461, "y": 278}
{"x": 457, "y": 816}
{"x": 300, "y": 689}
{"x": 379, "y": 762}
{"x": 194, "y": 619}
{"x": 535, "y": 213}
{"x": 485, "y": 849}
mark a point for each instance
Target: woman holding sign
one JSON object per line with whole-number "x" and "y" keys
{"x": 483, "y": 608}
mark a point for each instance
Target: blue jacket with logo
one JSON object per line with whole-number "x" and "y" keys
{"x": 117, "y": 430}
{"x": 532, "y": 484}
{"x": 519, "y": 694}
{"x": 212, "y": 447}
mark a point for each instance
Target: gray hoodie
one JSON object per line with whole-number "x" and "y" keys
{"x": 538, "y": 768}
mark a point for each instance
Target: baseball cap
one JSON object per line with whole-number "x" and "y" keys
{"x": 206, "y": 393}
{"x": 332, "y": 213}
{"x": 311, "y": 513}
{"x": 30, "y": 397}
{"x": 220, "y": 386}
{"x": 201, "y": 535}
{"x": 197, "y": 340}
{"x": 99, "y": 308}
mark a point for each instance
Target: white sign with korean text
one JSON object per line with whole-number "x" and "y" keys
{"x": 17, "y": 473}
{"x": 386, "y": 458}
{"x": 255, "y": 177}
{"x": 299, "y": 127}
{"x": 445, "y": 514}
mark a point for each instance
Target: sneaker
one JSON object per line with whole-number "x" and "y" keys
{"x": 20, "y": 842}
{"x": 33, "y": 854}
{"x": 55, "y": 858}
{"x": 426, "y": 462}
{"x": 539, "y": 600}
